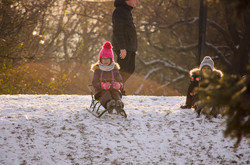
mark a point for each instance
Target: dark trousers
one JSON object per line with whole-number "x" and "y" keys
{"x": 127, "y": 64}
{"x": 191, "y": 99}
{"x": 107, "y": 95}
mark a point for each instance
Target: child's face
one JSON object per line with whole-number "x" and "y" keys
{"x": 105, "y": 61}
{"x": 206, "y": 69}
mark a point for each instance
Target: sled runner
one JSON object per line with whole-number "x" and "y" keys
{"x": 95, "y": 106}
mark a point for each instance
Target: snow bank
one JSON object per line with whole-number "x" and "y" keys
{"x": 48, "y": 129}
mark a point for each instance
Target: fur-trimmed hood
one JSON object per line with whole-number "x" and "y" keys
{"x": 96, "y": 66}
{"x": 196, "y": 71}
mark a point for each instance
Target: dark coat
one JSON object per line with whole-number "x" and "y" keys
{"x": 107, "y": 77}
{"x": 124, "y": 31}
{"x": 196, "y": 73}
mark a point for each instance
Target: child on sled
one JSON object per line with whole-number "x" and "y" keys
{"x": 107, "y": 80}
{"x": 196, "y": 75}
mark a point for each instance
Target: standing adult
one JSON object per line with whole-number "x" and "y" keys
{"x": 124, "y": 38}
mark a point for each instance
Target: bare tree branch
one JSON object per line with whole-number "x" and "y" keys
{"x": 223, "y": 32}
{"x": 146, "y": 77}
{"x": 164, "y": 63}
{"x": 180, "y": 22}
{"x": 172, "y": 81}
{"x": 219, "y": 53}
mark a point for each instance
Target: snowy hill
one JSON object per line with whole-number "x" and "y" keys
{"x": 47, "y": 129}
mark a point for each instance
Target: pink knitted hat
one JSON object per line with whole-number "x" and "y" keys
{"x": 106, "y": 51}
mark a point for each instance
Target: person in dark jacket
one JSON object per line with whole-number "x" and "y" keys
{"x": 107, "y": 80}
{"x": 207, "y": 65}
{"x": 124, "y": 38}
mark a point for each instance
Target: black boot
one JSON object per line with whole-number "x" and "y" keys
{"x": 111, "y": 106}
{"x": 198, "y": 110}
{"x": 123, "y": 92}
{"x": 185, "y": 106}
{"x": 119, "y": 106}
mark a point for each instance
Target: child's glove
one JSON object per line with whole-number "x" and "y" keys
{"x": 116, "y": 85}
{"x": 105, "y": 86}
{"x": 192, "y": 94}
{"x": 196, "y": 77}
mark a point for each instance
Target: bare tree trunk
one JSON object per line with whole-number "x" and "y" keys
{"x": 242, "y": 58}
{"x": 202, "y": 31}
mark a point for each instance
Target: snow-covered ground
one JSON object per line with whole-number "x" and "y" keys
{"x": 49, "y": 129}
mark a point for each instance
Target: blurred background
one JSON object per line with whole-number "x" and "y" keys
{"x": 47, "y": 46}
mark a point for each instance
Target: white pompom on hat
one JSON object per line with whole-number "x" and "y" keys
{"x": 207, "y": 61}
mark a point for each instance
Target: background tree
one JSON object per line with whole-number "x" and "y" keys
{"x": 66, "y": 36}
{"x": 17, "y": 21}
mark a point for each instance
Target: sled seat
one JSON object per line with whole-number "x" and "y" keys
{"x": 95, "y": 105}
